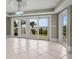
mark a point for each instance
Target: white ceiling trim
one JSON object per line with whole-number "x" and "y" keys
{"x": 43, "y": 13}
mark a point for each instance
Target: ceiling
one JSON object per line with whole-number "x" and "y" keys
{"x": 28, "y": 5}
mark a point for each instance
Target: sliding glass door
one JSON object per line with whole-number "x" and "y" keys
{"x": 39, "y": 27}
{"x": 63, "y": 19}
{"x": 32, "y": 27}
{"x": 64, "y": 29}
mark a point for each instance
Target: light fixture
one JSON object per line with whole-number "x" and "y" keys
{"x": 19, "y": 11}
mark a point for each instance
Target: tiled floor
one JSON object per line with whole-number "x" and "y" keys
{"x": 18, "y": 48}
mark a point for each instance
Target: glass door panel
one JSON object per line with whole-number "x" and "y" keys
{"x": 64, "y": 40}
{"x": 16, "y": 22}
{"x": 43, "y": 27}
{"x": 30, "y": 27}
{"x": 23, "y": 27}
{"x": 33, "y": 27}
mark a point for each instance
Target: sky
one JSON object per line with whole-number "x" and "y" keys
{"x": 43, "y": 22}
{"x": 65, "y": 20}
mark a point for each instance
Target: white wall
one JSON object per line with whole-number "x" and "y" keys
{"x": 69, "y": 28}
{"x": 54, "y": 26}
{"x": 8, "y": 26}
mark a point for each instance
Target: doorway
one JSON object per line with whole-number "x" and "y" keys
{"x": 63, "y": 29}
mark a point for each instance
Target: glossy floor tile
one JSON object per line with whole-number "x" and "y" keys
{"x": 19, "y": 48}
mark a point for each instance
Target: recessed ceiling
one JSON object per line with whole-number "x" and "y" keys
{"x": 28, "y": 5}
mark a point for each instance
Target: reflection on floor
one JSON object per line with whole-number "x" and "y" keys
{"x": 18, "y": 48}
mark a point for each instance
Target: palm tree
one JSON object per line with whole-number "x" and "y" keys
{"x": 32, "y": 24}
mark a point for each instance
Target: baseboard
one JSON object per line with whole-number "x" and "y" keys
{"x": 54, "y": 39}
{"x": 7, "y": 36}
